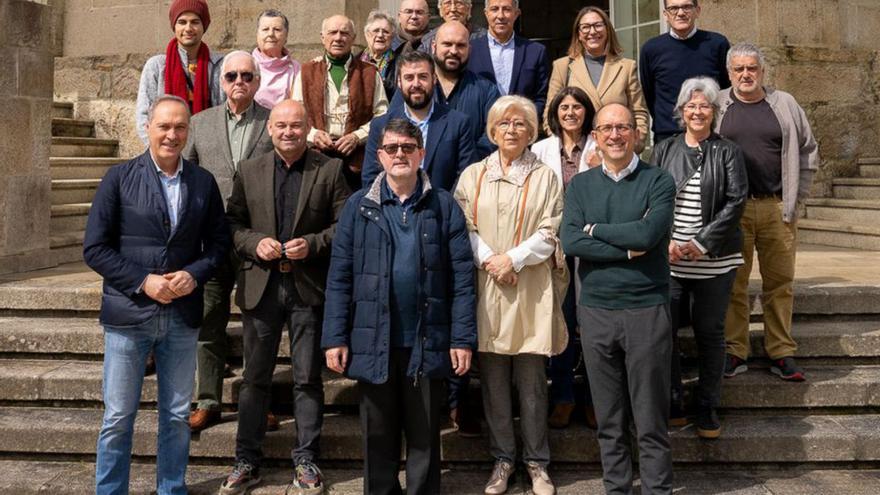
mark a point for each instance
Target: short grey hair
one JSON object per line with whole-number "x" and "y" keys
{"x": 274, "y": 13}
{"x": 515, "y": 4}
{"x": 379, "y": 15}
{"x": 164, "y": 98}
{"x": 512, "y": 102}
{"x": 240, "y": 53}
{"x": 350, "y": 24}
{"x": 703, "y": 85}
{"x": 745, "y": 49}
{"x": 468, "y": 2}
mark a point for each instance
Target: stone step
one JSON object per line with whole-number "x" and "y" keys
{"x": 47, "y": 336}
{"x": 67, "y": 239}
{"x": 66, "y": 127}
{"x": 69, "y": 217}
{"x": 844, "y": 285}
{"x": 34, "y": 380}
{"x": 869, "y": 167}
{"x": 856, "y": 188}
{"x": 83, "y": 146}
{"x": 756, "y": 438}
{"x": 80, "y": 167}
{"x": 74, "y": 478}
{"x": 850, "y": 211}
{"x": 834, "y": 233}
{"x": 66, "y": 191}
{"x": 62, "y": 109}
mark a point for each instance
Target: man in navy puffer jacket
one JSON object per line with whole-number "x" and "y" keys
{"x": 400, "y": 310}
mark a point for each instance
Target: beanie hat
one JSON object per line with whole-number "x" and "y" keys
{"x": 199, "y": 7}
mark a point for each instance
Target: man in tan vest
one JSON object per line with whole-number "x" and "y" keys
{"x": 341, "y": 94}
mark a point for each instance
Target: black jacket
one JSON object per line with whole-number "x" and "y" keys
{"x": 723, "y": 188}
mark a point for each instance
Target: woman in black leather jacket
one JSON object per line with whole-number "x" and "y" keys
{"x": 706, "y": 243}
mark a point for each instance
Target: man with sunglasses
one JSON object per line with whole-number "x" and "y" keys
{"x": 452, "y": 10}
{"x": 283, "y": 212}
{"x": 666, "y": 61}
{"x": 617, "y": 220}
{"x": 400, "y": 311}
{"x": 219, "y": 139}
{"x": 188, "y": 69}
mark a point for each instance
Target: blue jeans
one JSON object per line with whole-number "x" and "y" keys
{"x": 125, "y": 355}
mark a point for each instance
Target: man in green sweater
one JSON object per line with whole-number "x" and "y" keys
{"x": 617, "y": 220}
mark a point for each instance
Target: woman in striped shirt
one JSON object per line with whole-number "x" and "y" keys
{"x": 705, "y": 249}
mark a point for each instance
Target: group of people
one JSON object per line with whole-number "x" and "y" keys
{"x": 396, "y": 212}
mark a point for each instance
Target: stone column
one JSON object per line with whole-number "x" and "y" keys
{"x": 26, "y": 80}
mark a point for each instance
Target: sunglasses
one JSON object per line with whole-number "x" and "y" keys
{"x": 232, "y": 76}
{"x": 408, "y": 148}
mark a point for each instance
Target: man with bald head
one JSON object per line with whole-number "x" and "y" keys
{"x": 617, "y": 219}
{"x": 341, "y": 94}
{"x": 412, "y": 24}
{"x": 283, "y": 212}
{"x": 219, "y": 139}
{"x": 461, "y": 88}
{"x": 453, "y": 10}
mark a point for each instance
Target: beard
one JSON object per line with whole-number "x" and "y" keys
{"x": 422, "y": 103}
{"x": 441, "y": 63}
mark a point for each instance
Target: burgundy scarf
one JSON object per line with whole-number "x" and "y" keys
{"x": 175, "y": 77}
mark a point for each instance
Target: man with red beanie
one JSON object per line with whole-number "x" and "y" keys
{"x": 187, "y": 69}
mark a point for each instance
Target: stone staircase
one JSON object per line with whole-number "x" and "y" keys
{"x": 78, "y": 161}
{"x": 50, "y": 398}
{"x": 849, "y": 217}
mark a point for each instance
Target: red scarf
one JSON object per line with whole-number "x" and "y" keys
{"x": 175, "y": 77}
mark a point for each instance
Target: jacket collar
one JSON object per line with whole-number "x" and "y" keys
{"x": 519, "y": 168}
{"x": 374, "y": 194}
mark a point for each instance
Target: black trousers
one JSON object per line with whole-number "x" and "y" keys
{"x": 401, "y": 405}
{"x": 263, "y": 325}
{"x": 706, "y": 302}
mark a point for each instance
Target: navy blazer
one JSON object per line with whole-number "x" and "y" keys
{"x": 531, "y": 68}
{"x": 449, "y": 150}
{"x": 128, "y": 236}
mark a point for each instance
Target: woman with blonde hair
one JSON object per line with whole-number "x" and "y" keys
{"x": 513, "y": 206}
{"x": 594, "y": 64}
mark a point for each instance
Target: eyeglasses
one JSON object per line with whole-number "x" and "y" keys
{"x": 685, "y": 9}
{"x": 377, "y": 31}
{"x": 231, "y": 76}
{"x": 693, "y": 107}
{"x": 413, "y": 12}
{"x": 408, "y": 148}
{"x": 517, "y": 125}
{"x": 608, "y": 129}
{"x": 586, "y": 28}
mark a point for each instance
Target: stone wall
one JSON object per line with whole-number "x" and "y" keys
{"x": 25, "y": 125}
{"x": 824, "y": 52}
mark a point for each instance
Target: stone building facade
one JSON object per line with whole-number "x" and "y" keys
{"x": 825, "y": 52}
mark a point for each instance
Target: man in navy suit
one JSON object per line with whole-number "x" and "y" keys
{"x": 518, "y": 66}
{"x": 156, "y": 232}
{"x": 449, "y": 147}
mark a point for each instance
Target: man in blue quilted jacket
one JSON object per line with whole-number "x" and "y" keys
{"x": 399, "y": 315}
{"x": 156, "y": 233}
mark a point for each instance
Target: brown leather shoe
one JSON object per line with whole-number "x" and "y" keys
{"x": 590, "y": 417}
{"x": 272, "y": 422}
{"x": 203, "y": 418}
{"x": 560, "y": 417}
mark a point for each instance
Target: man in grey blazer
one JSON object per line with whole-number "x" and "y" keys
{"x": 221, "y": 137}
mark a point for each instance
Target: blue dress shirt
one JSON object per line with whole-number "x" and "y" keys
{"x": 502, "y": 61}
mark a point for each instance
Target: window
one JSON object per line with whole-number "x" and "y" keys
{"x": 636, "y": 21}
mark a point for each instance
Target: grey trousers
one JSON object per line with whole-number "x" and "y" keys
{"x": 499, "y": 373}
{"x": 628, "y": 355}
